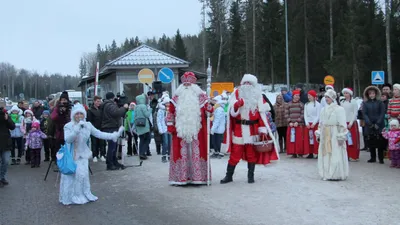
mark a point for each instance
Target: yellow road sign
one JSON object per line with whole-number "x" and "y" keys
{"x": 146, "y": 76}
{"x": 329, "y": 80}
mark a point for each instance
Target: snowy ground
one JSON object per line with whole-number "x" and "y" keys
{"x": 285, "y": 192}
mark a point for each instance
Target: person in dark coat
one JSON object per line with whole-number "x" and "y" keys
{"x": 94, "y": 117}
{"x": 37, "y": 110}
{"x": 303, "y": 94}
{"x": 6, "y": 124}
{"x": 374, "y": 116}
{"x": 111, "y": 121}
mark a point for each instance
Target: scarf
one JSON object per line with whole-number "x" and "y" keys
{"x": 15, "y": 118}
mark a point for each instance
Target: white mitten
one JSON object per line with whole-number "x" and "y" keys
{"x": 77, "y": 128}
{"x": 115, "y": 135}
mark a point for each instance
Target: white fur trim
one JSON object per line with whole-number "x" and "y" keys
{"x": 263, "y": 107}
{"x": 262, "y": 130}
{"x": 347, "y": 90}
{"x": 244, "y": 140}
{"x": 15, "y": 108}
{"x": 232, "y": 111}
{"x": 77, "y": 108}
{"x": 28, "y": 111}
{"x": 397, "y": 86}
{"x": 331, "y": 94}
{"x": 327, "y": 87}
{"x": 249, "y": 78}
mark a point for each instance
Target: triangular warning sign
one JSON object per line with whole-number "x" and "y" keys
{"x": 378, "y": 78}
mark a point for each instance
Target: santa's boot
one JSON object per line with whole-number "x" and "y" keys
{"x": 250, "y": 173}
{"x": 229, "y": 173}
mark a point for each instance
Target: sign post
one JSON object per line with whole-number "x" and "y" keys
{"x": 166, "y": 75}
{"x": 96, "y": 79}
{"x": 146, "y": 76}
{"x": 378, "y": 77}
{"x": 329, "y": 80}
{"x": 209, "y": 71}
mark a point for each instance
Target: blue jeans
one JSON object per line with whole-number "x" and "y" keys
{"x": 4, "y": 160}
{"x": 166, "y": 143}
{"x": 111, "y": 151}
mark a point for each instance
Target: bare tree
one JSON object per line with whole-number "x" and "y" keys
{"x": 388, "y": 49}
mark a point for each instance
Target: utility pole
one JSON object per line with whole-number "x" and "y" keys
{"x": 388, "y": 49}
{"x": 254, "y": 36}
{"x": 204, "y": 34}
{"x": 331, "y": 29}
{"x": 287, "y": 46}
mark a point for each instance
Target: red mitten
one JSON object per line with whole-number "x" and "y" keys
{"x": 239, "y": 104}
{"x": 171, "y": 129}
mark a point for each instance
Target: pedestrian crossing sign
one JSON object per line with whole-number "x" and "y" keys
{"x": 378, "y": 77}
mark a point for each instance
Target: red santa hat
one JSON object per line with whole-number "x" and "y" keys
{"x": 312, "y": 93}
{"x": 188, "y": 78}
{"x": 327, "y": 87}
{"x": 296, "y": 92}
{"x": 347, "y": 90}
{"x": 249, "y": 78}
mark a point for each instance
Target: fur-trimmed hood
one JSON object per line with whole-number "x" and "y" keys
{"x": 376, "y": 89}
{"x": 77, "y": 108}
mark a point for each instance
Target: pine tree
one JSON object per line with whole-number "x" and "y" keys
{"x": 82, "y": 68}
{"x": 237, "y": 50}
{"x": 179, "y": 48}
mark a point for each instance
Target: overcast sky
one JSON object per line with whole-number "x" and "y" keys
{"x": 51, "y": 35}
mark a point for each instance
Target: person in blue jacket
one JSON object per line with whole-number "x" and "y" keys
{"x": 287, "y": 96}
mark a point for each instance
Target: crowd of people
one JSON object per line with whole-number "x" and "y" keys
{"x": 243, "y": 124}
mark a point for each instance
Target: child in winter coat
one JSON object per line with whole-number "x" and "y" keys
{"x": 393, "y": 137}
{"x": 16, "y": 134}
{"x": 34, "y": 142}
{"x": 44, "y": 123}
{"x": 26, "y": 128}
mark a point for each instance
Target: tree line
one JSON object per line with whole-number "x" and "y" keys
{"x": 342, "y": 38}
{"x": 32, "y": 84}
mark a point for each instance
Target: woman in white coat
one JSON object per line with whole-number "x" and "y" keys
{"x": 332, "y": 134}
{"x": 75, "y": 188}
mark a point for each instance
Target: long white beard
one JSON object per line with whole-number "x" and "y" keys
{"x": 188, "y": 114}
{"x": 250, "y": 95}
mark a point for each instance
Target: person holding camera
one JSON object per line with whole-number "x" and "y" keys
{"x": 60, "y": 116}
{"x": 6, "y": 124}
{"x": 374, "y": 116}
{"x": 111, "y": 121}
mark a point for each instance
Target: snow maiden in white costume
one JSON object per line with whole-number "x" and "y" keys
{"x": 75, "y": 188}
{"x": 332, "y": 131}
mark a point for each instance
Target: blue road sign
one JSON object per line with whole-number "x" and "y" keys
{"x": 166, "y": 75}
{"x": 378, "y": 77}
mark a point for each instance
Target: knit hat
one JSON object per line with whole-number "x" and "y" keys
{"x": 64, "y": 95}
{"x": 296, "y": 92}
{"x": 331, "y": 94}
{"x": 347, "y": 90}
{"x": 46, "y": 112}
{"x": 15, "y": 108}
{"x": 329, "y": 87}
{"x": 284, "y": 89}
{"x": 110, "y": 95}
{"x": 36, "y": 125}
{"x": 394, "y": 122}
{"x": 396, "y": 86}
{"x": 312, "y": 93}
{"x": 28, "y": 111}
{"x": 166, "y": 100}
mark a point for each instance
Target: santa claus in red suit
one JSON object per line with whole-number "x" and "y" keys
{"x": 187, "y": 122}
{"x": 247, "y": 124}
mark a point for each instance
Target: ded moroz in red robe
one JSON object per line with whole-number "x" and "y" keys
{"x": 238, "y": 135}
{"x": 188, "y": 163}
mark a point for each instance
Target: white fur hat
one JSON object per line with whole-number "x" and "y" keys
{"x": 347, "y": 90}
{"x": 166, "y": 100}
{"x": 397, "y": 86}
{"x": 249, "y": 78}
{"x": 394, "y": 122}
{"x": 78, "y": 108}
{"x": 331, "y": 94}
{"x": 15, "y": 108}
{"x": 329, "y": 87}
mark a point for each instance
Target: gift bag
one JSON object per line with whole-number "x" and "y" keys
{"x": 292, "y": 135}
{"x": 349, "y": 138}
{"x": 311, "y": 136}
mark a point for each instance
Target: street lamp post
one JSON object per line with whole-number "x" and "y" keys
{"x": 287, "y": 46}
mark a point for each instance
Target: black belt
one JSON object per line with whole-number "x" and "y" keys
{"x": 246, "y": 122}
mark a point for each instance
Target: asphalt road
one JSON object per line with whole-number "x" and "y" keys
{"x": 286, "y": 192}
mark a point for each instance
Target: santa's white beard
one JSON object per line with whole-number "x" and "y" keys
{"x": 250, "y": 94}
{"x": 188, "y": 114}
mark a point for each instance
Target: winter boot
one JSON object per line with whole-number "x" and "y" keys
{"x": 164, "y": 159}
{"x": 18, "y": 161}
{"x": 250, "y": 173}
{"x": 310, "y": 156}
{"x": 229, "y": 173}
{"x": 13, "y": 161}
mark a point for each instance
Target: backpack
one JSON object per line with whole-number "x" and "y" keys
{"x": 65, "y": 162}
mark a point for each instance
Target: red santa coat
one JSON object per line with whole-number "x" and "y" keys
{"x": 239, "y": 134}
{"x": 190, "y": 167}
